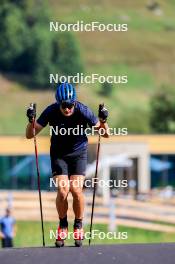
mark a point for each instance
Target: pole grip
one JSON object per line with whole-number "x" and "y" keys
{"x": 33, "y": 106}
{"x": 101, "y": 106}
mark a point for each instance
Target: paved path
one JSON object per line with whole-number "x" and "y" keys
{"x": 119, "y": 254}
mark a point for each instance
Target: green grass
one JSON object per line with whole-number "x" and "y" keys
{"x": 29, "y": 234}
{"x": 136, "y": 12}
{"x": 14, "y": 104}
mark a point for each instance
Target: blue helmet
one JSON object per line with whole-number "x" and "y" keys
{"x": 65, "y": 92}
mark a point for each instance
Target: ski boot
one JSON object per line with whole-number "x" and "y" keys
{"x": 62, "y": 235}
{"x": 78, "y": 236}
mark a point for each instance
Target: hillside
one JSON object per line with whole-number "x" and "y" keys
{"x": 145, "y": 53}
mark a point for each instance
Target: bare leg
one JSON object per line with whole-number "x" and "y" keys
{"x": 76, "y": 188}
{"x": 62, "y": 193}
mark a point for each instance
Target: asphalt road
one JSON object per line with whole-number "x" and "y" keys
{"x": 120, "y": 254}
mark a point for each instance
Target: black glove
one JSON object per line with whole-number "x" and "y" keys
{"x": 31, "y": 112}
{"x": 102, "y": 113}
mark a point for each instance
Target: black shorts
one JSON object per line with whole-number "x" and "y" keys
{"x": 70, "y": 164}
{"x": 7, "y": 242}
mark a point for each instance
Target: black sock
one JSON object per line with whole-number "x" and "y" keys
{"x": 78, "y": 223}
{"x": 63, "y": 222}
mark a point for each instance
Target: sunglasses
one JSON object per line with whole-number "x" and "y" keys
{"x": 68, "y": 105}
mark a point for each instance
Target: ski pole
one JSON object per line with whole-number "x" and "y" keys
{"x": 33, "y": 106}
{"x": 95, "y": 182}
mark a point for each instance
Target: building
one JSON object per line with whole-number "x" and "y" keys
{"x": 146, "y": 161}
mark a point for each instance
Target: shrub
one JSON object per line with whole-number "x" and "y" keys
{"x": 163, "y": 111}
{"x": 106, "y": 89}
{"x": 27, "y": 46}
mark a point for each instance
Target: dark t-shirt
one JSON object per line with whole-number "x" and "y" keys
{"x": 68, "y": 143}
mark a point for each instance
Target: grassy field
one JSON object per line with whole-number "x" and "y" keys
{"x": 145, "y": 53}
{"x": 29, "y": 234}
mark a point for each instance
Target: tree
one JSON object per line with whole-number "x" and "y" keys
{"x": 12, "y": 35}
{"x": 162, "y": 117}
{"x": 27, "y": 47}
{"x": 106, "y": 89}
{"x": 67, "y": 57}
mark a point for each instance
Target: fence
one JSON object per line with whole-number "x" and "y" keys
{"x": 151, "y": 215}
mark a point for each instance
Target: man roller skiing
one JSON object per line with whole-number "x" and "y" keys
{"x": 68, "y": 152}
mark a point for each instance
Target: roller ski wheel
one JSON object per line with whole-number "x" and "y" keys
{"x": 78, "y": 236}
{"x": 61, "y": 236}
{"x": 78, "y": 243}
{"x": 59, "y": 243}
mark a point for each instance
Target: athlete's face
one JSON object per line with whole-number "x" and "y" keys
{"x": 67, "y": 109}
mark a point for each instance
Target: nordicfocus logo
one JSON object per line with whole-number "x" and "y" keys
{"x": 80, "y": 78}
{"x": 89, "y": 183}
{"x": 94, "y": 235}
{"x": 93, "y": 26}
{"x": 79, "y": 130}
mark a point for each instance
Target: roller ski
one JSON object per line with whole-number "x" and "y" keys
{"x": 78, "y": 236}
{"x": 61, "y": 236}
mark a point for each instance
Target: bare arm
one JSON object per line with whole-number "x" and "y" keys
{"x": 105, "y": 126}
{"x": 29, "y": 130}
